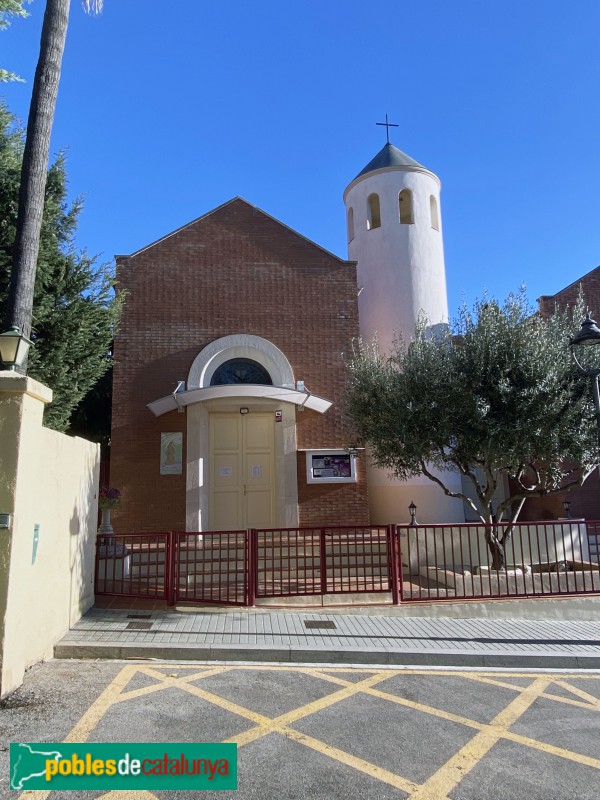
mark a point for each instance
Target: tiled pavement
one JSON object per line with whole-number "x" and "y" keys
{"x": 325, "y": 638}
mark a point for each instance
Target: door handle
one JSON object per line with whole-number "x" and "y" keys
{"x": 245, "y": 491}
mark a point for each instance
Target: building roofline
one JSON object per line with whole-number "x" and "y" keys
{"x": 571, "y": 285}
{"x": 218, "y": 208}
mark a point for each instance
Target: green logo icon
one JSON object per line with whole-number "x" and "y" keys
{"x": 58, "y": 766}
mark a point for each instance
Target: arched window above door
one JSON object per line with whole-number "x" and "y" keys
{"x": 241, "y": 370}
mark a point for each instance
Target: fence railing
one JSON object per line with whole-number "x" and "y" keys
{"x": 211, "y": 567}
{"x": 318, "y": 561}
{"x": 134, "y": 565}
{"x": 440, "y": 562}
{"x": 397, "y": 563}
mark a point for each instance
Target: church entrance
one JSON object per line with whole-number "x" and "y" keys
{"x": 241, "y": 471}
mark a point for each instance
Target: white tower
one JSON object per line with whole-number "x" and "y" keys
{"x": 395, "y": 235}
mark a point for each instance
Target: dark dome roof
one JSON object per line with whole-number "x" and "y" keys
{"x": 389, "y": 156}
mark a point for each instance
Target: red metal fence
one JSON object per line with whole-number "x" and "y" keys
{"x": 134, "y": 565}
{"x": 441, "y": 562}
{"x": 398, "y": 563}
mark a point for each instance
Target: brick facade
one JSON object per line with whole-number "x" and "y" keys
{"x": 585, "y": 501}
{"x": 235, "y": 270}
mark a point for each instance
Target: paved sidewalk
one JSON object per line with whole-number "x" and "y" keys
{"x": 327, "y": 638}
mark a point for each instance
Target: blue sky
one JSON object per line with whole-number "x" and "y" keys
{"x": 170, "y": 109}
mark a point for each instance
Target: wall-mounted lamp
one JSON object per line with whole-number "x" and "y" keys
{"x": 14, "y": 347}
{"x": 567, "y": 507}
{"x": 244, "y": 410}
{"x": 413, "y": 514}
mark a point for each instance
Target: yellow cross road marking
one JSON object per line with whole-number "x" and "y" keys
{"x": 437, "y": 787}
{"x": 357, "y": 763}
{"x": 436, "y": 712}
{"x": 279, "y": 724}
{"x": 166, "y": 681}
{"x": 561, "y": 752}
{"x": 443, "y": 781}
{"x": 590, "y": 700}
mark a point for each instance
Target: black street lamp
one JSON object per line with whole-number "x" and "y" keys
{"x": 588, "y": 336}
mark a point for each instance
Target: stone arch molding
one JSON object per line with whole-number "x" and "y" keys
{"x": 240, "y": 345}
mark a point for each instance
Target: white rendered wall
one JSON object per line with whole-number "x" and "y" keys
{"x": 401, "y": 274}
{"x": 400, "y": 266}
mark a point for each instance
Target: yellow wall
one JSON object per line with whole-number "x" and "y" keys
{"x": 46, "y": 479}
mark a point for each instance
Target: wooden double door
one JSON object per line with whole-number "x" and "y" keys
{"x": 242, "y": 474}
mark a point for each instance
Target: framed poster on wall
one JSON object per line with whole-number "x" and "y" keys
{"x": 330, "y": 466}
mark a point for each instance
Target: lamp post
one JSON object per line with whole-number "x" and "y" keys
{"x": 588, "y": 336}
{"x": 413, "y": 514}
{"x": 14, "y": 347}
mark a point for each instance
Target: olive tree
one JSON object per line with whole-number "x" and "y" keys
{"x": 495, "y": 395}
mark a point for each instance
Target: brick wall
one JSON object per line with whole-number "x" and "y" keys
{"x": 235, "y": 270}
{"x": 585, "y": 501}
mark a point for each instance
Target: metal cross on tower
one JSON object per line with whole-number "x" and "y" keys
{"x": 388, "y": 125}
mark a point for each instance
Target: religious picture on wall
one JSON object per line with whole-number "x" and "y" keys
{"x": 171, "y": 453}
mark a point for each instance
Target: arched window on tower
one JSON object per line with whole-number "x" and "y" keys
{"x": 350, "y": 224}
{"x": 435, "y": 220}
{"x": 405, "y": 207}
{"x": 373, "y": 212}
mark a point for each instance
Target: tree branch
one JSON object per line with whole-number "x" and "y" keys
{"x": 447, "y": 492}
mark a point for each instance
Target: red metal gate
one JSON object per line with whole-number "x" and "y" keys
{"x": 326, "y": 560}
{"x": 211, "y": 567}
{"x": 236, "y": 567}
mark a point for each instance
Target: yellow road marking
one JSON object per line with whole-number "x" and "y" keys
{"x": 278, "y": 724}
{"x": 588, "y": 698}
{"x": 353, "y": 761}
{"x": 444, "y": 780}
{"x": 96, "y": 711}
{"x": 435, "y": 712}
{"x": 439, "y": 784}
{"x": 553, "y": 750}
{"x": 166, "y": 681}
{"x": 473, "y": 676}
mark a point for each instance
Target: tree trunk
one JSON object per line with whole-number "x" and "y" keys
{"x": 35, "y": 166}
{"x": 497, "y": 543}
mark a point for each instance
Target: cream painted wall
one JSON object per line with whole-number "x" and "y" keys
{"x": 46, "y": 479}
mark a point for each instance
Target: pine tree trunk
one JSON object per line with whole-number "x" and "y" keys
{"x": 35, "y": 166}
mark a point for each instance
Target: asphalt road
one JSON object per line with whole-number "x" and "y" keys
{"x": 329, "y": 733}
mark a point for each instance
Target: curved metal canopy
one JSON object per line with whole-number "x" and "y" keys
{"x": 279, "y": 394}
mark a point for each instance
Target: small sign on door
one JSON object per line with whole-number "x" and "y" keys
{"x": 225, "y": 472}
{"x": 278, "y": 415}
{"x": 257, "y": 471}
